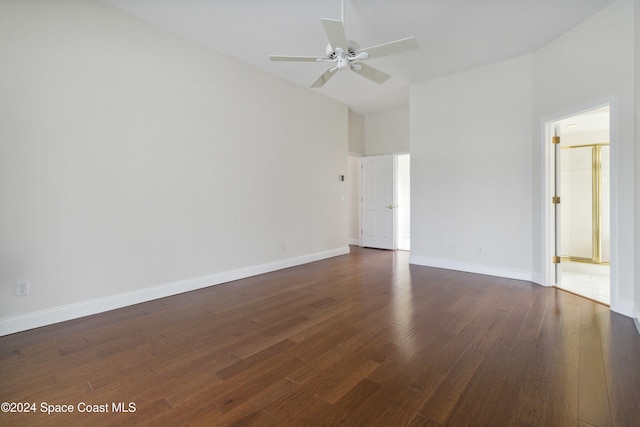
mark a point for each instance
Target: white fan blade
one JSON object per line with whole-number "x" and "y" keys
{"x": 324, "y": 78}
{"x": 294, "y": 58}
{"x": 391, "y": 48}
{"x": 369, "y": 72}
{"x": 335, "y": 33}
{"x": 359, "y": 56}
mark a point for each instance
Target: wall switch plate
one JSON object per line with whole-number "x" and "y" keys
{"x": 22, "y": 288}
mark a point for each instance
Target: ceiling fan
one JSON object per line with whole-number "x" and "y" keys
{"x": 347, "y": 55}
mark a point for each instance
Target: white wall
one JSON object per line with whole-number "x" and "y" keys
{"x": 471, "y": 170}
{"x": 135, "y": 164}
{"x": 387, "y": 132}
{"x": 356, "y": 133}
{"x": 591, "y": 65}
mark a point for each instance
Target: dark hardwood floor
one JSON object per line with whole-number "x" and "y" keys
{"x": 357, "y": 340}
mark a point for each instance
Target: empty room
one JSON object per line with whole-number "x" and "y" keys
{"x": 320, "y": 213}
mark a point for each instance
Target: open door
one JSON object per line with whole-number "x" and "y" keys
{"x": 378, "y": 202}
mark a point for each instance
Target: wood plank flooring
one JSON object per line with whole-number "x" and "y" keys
{"x": 357, "y": 340}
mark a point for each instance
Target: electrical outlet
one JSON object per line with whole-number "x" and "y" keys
{"x": 22, "y": 288}
{"x": 482, "y": 251}
{"x": 452, "y": 247}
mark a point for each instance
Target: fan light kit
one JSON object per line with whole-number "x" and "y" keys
{"x": 347, "y": 55}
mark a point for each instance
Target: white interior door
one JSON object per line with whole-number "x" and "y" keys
{"x": 378, "y": 202}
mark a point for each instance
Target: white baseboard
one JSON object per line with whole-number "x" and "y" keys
{"x": 355, "y": 242}
{"x": 622, "y": 307}
{"x": 472, "y": 268}
{"x": 538, "y": 279}
{"x": 636, "y": 318}
{"x": 10, "y": 325}
{"x": 626, "y": 308}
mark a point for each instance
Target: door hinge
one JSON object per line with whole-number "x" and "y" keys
{"x": 555, "y": 140}
{"x": 556, "y": 259}
{"x": 555, "y": 200}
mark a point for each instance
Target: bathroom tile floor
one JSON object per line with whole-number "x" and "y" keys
{"x": 591, "y": 284}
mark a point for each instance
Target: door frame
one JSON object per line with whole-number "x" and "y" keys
{"x": 548, "y": 212}
{"x": 355, "y": 200}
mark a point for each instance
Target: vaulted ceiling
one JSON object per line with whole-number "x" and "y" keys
{"x": 453, "y": 35}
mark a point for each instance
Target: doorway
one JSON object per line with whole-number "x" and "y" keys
{"x": 403, "y": 226}
{"x": 581, "y": 204}
{"x": 386, "y": 201}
